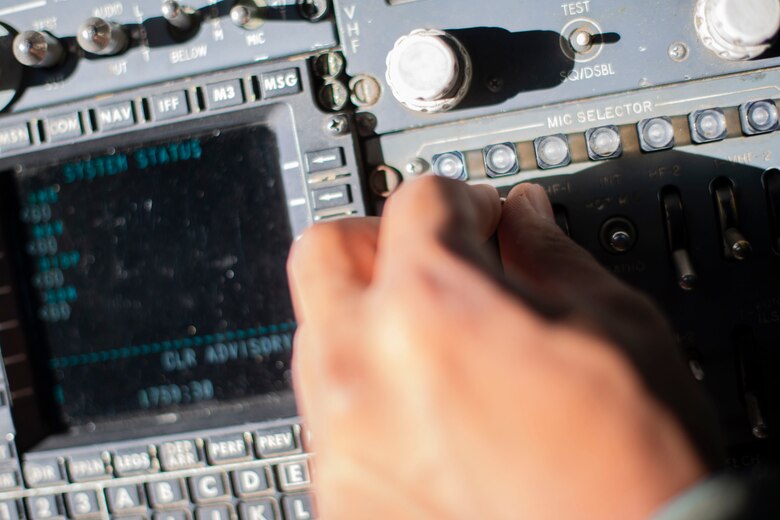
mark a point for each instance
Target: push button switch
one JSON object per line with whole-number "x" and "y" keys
{"x": 677, "y": 238}
{"x": 735, "y": 245}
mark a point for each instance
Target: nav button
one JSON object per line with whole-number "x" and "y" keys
{"x": 115, "y": 116}
{"x": 170, "y": 105}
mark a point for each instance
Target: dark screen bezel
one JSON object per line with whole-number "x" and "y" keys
{"x": 279, "y": 120}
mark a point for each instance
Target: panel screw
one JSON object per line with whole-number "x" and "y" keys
{"x": 678, "y": 51}
{"x": 338, "y": 125}
{"x": 366, "y": 90}
{"x": 416, "y": 166}
{"x": 333, "y": 95}
{"x": 329, "y": 65}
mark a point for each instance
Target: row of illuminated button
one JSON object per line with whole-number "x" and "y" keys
{"x": 210, "y": 493}
{"x": 655, "y": 134}
{"x": 162, "y": 107}
{"x": 168, "y": 456}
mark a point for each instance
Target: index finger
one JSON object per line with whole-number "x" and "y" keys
{"x": 433, "y": 212}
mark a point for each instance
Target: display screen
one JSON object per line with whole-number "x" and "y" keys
{"x": 160, "y": 274}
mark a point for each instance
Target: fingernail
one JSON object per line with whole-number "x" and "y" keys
{"x": 537, "y": 196}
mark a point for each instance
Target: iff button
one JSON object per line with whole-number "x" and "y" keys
{"x": 170, "y": 105}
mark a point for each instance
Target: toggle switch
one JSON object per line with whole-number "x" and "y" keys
{"x": 735, "y": 245}
{"x": 677, "y": 238}
{"x": 748, "y": 364}
{"x": 247, "y": 15}
{"x": 101, "y": 37}
{"x": 38, "y": 49}
{"x": 182, "y": 19}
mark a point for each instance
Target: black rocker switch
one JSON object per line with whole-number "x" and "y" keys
{"x": 735, "y": 245}
{"x": 677, "y": 238}
{"x": 748, "y": 364}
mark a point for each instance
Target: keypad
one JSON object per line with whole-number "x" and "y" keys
{"x": 265, "y": 509}
{"x": 195, "y": 478}
{"x": 165, "y": 493}
{"x": 299, "y": 507}
{"x": 43, "y": 507}
{"x": 124, "y": 498}
{"x": 248, "y": 482}
{"x": 210, "y": 487}
{"x": 81, "y": 504}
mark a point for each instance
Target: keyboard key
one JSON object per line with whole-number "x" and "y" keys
{"x": 44, "y": 472}
{"x": 82, "y": 503}
{"x": 9, "y": 480}
{"x": 124, "y": 498}
{"x": 165, "y": 493}
{"x": 276, "y": 441}
{"x": 9, "y": 510}
{"x": 179, "y": 455}
{"x": 172, "y": 515}
{"x": 294, "y": 475}
{"x": 6, "y": 451}
{"x": 265, "y": 509}
{"x": 227, "y": 448}
{"x": 207, "y": 488}
{"x": 43, "y": 506}
{"x": 82, "y": 468}
{"x": 217, "y": 512}
{"x": 251, "y": 481}
{"x": 299, "y": 507}
{"x": 133, "y": 461}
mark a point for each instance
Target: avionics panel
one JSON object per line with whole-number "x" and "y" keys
{"x": 159, "y": 272}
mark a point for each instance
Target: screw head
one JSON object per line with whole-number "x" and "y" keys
{"x": 678, "y": 51}
{"x": 338, "y": 125}
{"x": 366, "y": 90}
{"x": 416, "y": 166}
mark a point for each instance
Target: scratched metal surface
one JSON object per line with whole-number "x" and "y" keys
{"x": 523, "y": 50}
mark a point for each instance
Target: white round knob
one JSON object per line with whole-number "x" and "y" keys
{"x": 737, "y": 29}
{"x": 429, "y": 71}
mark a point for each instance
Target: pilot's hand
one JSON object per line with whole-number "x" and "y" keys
{"x": 441, "y": 382}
